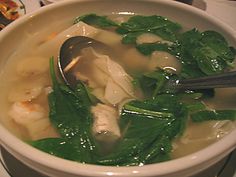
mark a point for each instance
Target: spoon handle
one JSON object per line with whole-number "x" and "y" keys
{"x": 217, "y": 81}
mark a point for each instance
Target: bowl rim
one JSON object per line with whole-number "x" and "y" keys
{"x": 13, "y": 144}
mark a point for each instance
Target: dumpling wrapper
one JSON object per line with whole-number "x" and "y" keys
{"x": 107, "y": 75}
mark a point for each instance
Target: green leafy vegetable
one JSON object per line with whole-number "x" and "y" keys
{"x": 159, "y": 121}
{"x": 155, "y": 83}
{"x": 147, "y": 23}
{"x": 131, "y": 38}
{"x": 70, "y": 114}
{"x": 148, "y": 48}
{"x": 203, "y": 53}
{"x": 56, "y": 146}
{"x": 213, "y": 115}
{"x": 138, "y": 25}
{"x": 164, "y": 33}
{"x": 93, "y": 19}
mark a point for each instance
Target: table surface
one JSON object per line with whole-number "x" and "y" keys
{"x": 223, "y": 10}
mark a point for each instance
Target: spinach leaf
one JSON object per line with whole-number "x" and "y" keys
{"x": 151, "y": 83}
{"x": 131, "y": 38}
{"x": 194, "y": 107}
{"x": 147, "y": 23}
{"x": 70, "y": 114}
{"x": 148, "y": 48}
{"x": 214, "y": 115}
{"x": 215, "y": 54}
{"x": 205, "y": 53}
{"x": 218, "y": 43}
{"x": 148, "y": 127}
{"x": 154, "y": 83}
{"x": 208, "y": 60}
{"x": 158, "y": 151}
{"x": 164, "y": 33}
{"x": 183, "y": 49}
{"x": 56, "y": 146}
{"x": 134, "y": 142}
{"x": 67, "y": 110}
{"x": 93, "y": 19}
{"x": 138, "y": 25}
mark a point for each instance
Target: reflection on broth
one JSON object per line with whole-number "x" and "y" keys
{"x": 113, "y": 83}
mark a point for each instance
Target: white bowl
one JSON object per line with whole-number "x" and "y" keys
{"x": 32, "y": 24}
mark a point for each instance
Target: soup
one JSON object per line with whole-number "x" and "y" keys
{"x": 121, "y": 112}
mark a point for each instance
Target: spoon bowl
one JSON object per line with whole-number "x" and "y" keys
{"x": 71, "y": 50}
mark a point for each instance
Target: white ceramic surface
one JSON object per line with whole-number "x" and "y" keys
{"x": 46, "y": 2}
{"x": 30, "y": 5}
{"x": 66, "y": 11}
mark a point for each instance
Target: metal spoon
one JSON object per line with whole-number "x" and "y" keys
{"x": 223, "y": 80}
{"x": 71, "y": 48}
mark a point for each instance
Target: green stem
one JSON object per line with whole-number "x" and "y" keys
{"x": 144, "y": 112}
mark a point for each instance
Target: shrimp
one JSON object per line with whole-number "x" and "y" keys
{"x": 24, "y": 93}
{"x": 33, "y": 118}
{"x": 25, "y": 112}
